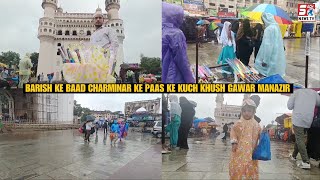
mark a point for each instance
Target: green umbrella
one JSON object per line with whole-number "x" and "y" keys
{"x": 213, "y": 26}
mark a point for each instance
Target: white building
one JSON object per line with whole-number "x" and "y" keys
{"x": 224, "y": 113}
{"x": 59, "y": 28}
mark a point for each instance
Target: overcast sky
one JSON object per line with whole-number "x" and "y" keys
{"x": 271, "y": 105}
{"x": 112, "y": 102}
{"x": 19, "y": 21}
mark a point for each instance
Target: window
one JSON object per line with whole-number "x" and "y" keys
{"x": 222, "y": 5}
{"x": 117, "y": 30}
{"x": 50, "y": 30}
{"x": 212, "y": 4}
{"x": 88, "y": 33}
{"x": 67, "y": 33}
{"x": 231, "y": 7}
{"x": 117, "y": 24}
{"x": 59, "y": 44}
{"x": 50, "y": 24}
{"x": 45, "y": 30}
{"x": 112, "y": 25}
{"x": 45, "y": 23}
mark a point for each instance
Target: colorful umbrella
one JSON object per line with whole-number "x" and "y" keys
{"x": 255, "y": 12}
{"x": 200, "y": 22}
{"x": 213, "y": 26}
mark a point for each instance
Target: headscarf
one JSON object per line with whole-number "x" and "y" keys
{"x": 255, "y": 99}
{"x": 225, "y": 39}
{"x": 249, "y": 102}
{"x": 244, "y": 30}
{"x": 175, "y": 108}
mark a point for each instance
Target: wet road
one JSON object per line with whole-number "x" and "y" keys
{"x": 295, "y": 56}
{"x": 210, "y": 160}
{"x": 65, "y": 155}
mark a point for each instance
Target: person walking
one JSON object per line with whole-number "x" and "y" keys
{"x": 302, "y": 103}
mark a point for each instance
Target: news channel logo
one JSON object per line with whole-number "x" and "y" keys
{"x": 307, "y": 12}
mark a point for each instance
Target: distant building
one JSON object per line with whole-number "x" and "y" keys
{"x": 107, "y": 115}
{"x": 151, "y": 106}
{"x": 224, "y": 113}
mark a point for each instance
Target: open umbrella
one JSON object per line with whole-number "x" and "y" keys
{"x": 255, "y": 12}
{"x": 200, "y": 22}
{"x": 213, "y": 26}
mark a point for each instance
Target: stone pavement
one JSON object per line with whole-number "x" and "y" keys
{"x": 295, "y": 56}
{"x": 63, "y": 154}
{"x": 208, "y": 159}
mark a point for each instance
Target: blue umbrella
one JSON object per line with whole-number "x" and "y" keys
{"x": 197, "y": 121}
{"x": 200, "y": 22}
{"x": 220, "y": 25}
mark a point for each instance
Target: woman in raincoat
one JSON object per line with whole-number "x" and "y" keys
{"x": 175, "y": 114}
{"x": 175, "y": 64}
{"x": 228, "y": 44}
{"x": 187, "y": 115}
{"x": 271, "y": 58}
{"x": 122, "y": 130}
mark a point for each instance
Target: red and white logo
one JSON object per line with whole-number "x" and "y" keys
{"x": 306, "y": 12}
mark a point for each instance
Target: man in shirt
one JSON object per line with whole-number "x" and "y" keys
{"x": 106, "y": 38}
{"x": 302, "y": 103}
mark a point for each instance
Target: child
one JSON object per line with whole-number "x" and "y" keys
{"x": 244, "y": 138}
{"x": 229, "y": 46}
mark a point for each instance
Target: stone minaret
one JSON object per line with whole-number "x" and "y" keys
{"x": 114, "y": 21}
{"x": 219, "y": 101}
{"x": 46, "y": 35}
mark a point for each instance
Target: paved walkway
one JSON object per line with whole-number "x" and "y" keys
{"x": 210, "y": 160}
{"x": 64, "y": 155}
{"x": 295, "y": 58}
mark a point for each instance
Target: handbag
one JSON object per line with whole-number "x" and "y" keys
{"x": 92, "y": 130}
{"x": 262, "y": 151}
{"x": 80, "y": 130}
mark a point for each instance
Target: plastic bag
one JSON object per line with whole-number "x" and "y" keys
{"x": 262, "y": 151}
{"x": 274, "y": 79}
{"x": 80, "y": 130}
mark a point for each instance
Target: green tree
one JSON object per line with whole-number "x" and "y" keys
{"x": 34, "y": 59}
{"x": 150, "y": 64}
{"x": 85, "y": 113}
{"x": 77, "y": 109}
{"x": 10, "y": 58}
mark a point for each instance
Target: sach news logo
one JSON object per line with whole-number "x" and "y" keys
{"x": 306, "y": 12}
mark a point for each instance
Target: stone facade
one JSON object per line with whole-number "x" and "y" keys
{"x": 152, "y": 106}
{"x": 58, "y": 28}
{"x": 39, "y": 108}
{"x": 225, "y": 113}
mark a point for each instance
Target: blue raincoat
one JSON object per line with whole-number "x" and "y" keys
{"x": 271, "y": 50}
{"x": 115, "y": 128}
{"x": 175, "y": 64}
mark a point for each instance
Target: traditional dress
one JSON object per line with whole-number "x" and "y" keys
{"x": 107, "y": 38}
{"x": 246, "y": 134}
{"x": 229, "y": 45}
{"x": 271, "y": 51}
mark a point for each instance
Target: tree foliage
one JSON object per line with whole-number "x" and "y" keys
{"x": 80, "y": 111}
{"x": 10, "y": 58}
{"x": 150, "y": 64}
{"x": 34, "y": 59}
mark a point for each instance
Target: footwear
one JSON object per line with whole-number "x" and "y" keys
{"x": 304, "y": 165}
{"x": 292, "y": 158}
